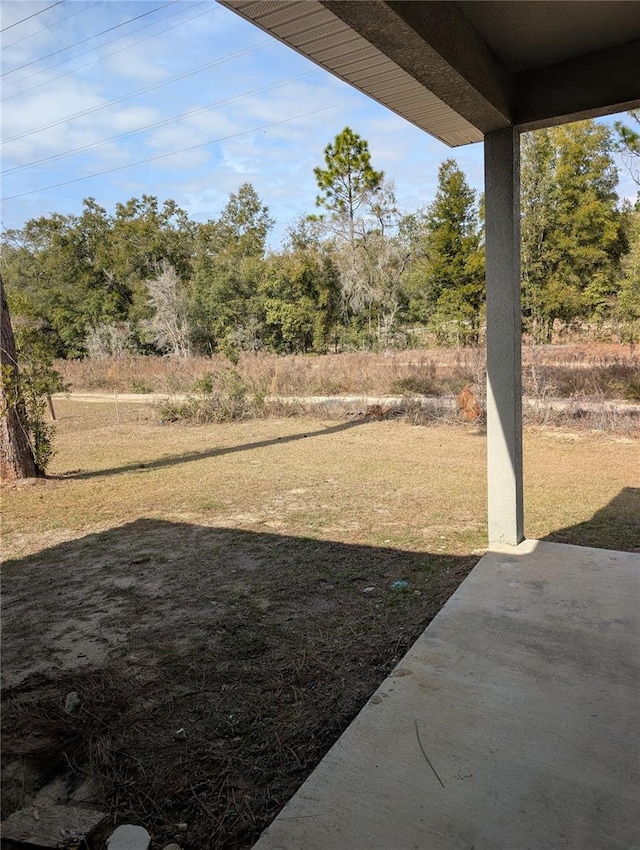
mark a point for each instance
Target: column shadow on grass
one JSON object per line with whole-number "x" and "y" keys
{"x": 189, "y": 457}
{"x": 261, "y": 648}
{"x": 615, "y": 526}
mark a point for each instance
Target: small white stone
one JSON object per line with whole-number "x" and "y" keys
{"x": 72, "y": 703}
{"x": 172, "y": 847}
{"x": 129, "y": 837}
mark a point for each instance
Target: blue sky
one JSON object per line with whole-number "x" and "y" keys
{"x": 183, "y": 100}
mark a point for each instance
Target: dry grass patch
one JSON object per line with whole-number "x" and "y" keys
{"x": 598, "y": 369}
{"x": 583, "y": 487}
{"x": 361, "y": 373}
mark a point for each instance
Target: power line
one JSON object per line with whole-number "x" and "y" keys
{"x": 89, "y": 38}
{"x": 228, "y": 58}
{"x": 35, "y": 14}
{"x": 162, "y": 123}
{"x": 174, "y": 153}
{"x": 54, "y": 24}
{"x": 106, "y": 55}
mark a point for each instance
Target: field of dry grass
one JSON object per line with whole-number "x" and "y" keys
{"x": 234, "y": 581}
{"x": 595, "y": 370}
{"x": 363, "y": 373}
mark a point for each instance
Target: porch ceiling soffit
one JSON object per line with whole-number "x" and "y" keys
{"x": 459, "y": 70}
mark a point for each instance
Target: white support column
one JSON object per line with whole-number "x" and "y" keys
{"x": 504, "y": 369}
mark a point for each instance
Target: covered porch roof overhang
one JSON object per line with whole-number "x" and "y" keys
{"x": 467, "y": 71}
{"x": 460, "y": 70}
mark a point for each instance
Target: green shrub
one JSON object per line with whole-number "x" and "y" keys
{"x": 141, "y": 387}
{"x": 417, "y": 385}
{"x": 204, "y": 384}
{"x": 632, "y": 389}
{"x": 223, "y": 397}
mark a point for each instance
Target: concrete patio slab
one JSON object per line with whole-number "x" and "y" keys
{"x": 513, "y": 722}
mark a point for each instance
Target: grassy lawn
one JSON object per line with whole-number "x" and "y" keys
{"x": 371, "y": 483}
{"x": 355, "y": 482}
{"x": 234, "y": 582}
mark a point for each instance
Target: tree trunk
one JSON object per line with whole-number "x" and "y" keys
{"x": 16, "y": 454}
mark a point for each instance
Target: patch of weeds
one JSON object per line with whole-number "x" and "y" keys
{"x": 607, "y": 381}
{"x": 632, "y": 389}
{"x": 417, "y": 385}
{"x": 421, "y": 380}
{"x": 607, "y": 417}
{"x": 401, "y": 596}
{"x": 170, "y": 410}
{"x": 97, "y": 382}
{"x": 428, "y": 567}
{"x": 327, "y": 387}
{"x": 175, "y": 384}
{"x": 217, "y": 408}
{"x": 204, "y": 385}
{"x": 278, "y": 409}
{"x": 141, "y": 387}
{"x": 224, "y": 397}
{"x": 457, "y": 383}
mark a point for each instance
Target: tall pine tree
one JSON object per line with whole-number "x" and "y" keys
{"x": 445, "y": 287}
{"x": 348, "y": 181}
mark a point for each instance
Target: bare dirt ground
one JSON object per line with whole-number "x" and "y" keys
{"x": 221, "y": 598}
{"x": 214, "y": 667}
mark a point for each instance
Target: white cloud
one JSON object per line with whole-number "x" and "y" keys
{"x": 212, "y": 124}
{"x": 28, "y": 114}
{"x": 41, "y": 111}
{"x": 134, "y": 66}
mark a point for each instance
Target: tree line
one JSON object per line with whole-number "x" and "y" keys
{"x": 356, "y": 273}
